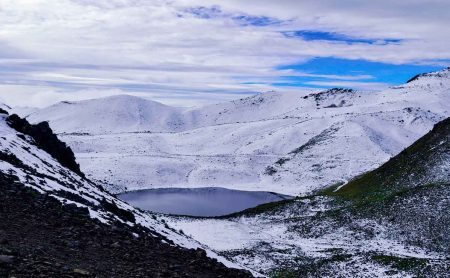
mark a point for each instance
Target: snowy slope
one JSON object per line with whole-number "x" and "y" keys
{"x": 111, "y": 115}
{"x": 35, "y": 168}
{"x": 291, "y": 143}
{"x": 255, "y": 108}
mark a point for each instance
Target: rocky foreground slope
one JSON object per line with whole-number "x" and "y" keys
{"x": 390, "y": 222}
{"x": 56, "y": 223}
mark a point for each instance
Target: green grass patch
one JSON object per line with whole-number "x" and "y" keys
{"x": 283, "y": 273}
{"x": 400, "y": 263}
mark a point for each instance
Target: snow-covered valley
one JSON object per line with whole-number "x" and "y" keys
{"x": 289, "y": 143}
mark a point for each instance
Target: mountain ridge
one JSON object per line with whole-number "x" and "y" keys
{"x": 111, "y": 114}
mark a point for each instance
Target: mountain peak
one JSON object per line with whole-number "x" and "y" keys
{"x": 120, "y": 113}
{"x": 127, "y": 99}
{"x": 444, "y": 73}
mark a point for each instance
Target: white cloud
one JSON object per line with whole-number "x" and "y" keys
{"x": 160, "y": 48}
{"x": 42, "y": 96}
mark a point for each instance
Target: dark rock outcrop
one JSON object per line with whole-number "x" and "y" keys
{"x": 114, "y": 209}
{"x": 45, "y": 139}
{"x": 418, "y": 76}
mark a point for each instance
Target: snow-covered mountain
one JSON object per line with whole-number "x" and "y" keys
{"x": 32, "y": 157}
{"x": 114, "y": 114}
{"x": 291, "y": 143}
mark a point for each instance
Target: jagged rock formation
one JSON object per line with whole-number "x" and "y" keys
{"x": 45, "y": 139}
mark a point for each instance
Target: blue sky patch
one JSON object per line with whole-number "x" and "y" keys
{"x": 330, "y": 36}
{"x": 256, "y": 20}
{"x": 241, "y": 19}
{"x": 379, "y": 72}
{"x": 205, "y": 12}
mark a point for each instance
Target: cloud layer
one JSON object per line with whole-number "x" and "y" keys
{"x": 184, "y": 52}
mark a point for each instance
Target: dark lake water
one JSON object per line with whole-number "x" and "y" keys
{"x": 210, "y": 201}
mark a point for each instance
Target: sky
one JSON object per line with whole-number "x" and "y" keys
{"x": 191, "y": 52}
